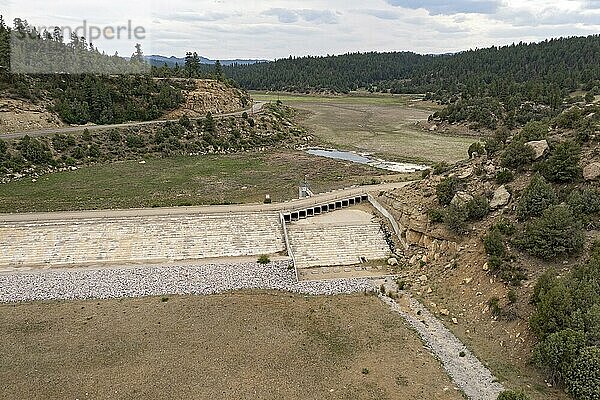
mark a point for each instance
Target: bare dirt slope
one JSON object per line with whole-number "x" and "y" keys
{"x": 19, "y": 115}
{"x": 261, "y": 345}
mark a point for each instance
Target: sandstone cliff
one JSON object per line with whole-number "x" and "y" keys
{"x": 211, "y": 96}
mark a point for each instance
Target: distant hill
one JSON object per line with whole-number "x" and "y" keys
{"x": 159, "y": 61}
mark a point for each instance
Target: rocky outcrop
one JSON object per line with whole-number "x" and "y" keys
{"x": 460, "y": 199}
{"x": 211, "y": 96}
{"x": 501, "y": 198}
{"x": 415, "y": 227}
{"x": 591, "y": 172}
{"x": 539, "y": 147}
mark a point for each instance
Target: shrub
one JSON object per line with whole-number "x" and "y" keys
{"x": 446, "y": 190}
{"x": 263, "y": 259}
{"x": 208, "y": 124}
{"x": 512, "y": 395}
{"x": 134, "y": 141}
{"x": 477, "y": 208}
{"x": 517, "y": 155}
{"x": 494, "y": 244}
{"x": 585, "y": 201}
{"x": 93, "y": 151}
{"x": 511, "y": 274}
{"x": 512, "y": 296}
{"x": 440, "y": 168}
{"x": 558, "y": 351}
{"x": 34, "y": 150}
{"x": 63, "y": 142}
{"x": 589, "y": 97}
{"x": 562, "y": 165}
{"x": 504, "y": 176}
{"x": 79, "y": 152}
{"x": 185, "y": 122}
{"x": 554, "y": 234}
{"x": 534, "y": 130}
{"x": 114, "y": 135}
{"x": 505, "y": 227}
{"x": 455, "y": 219}
{"x": 569, "y": 118}
{"x": 494, "y": 304}
{"x": 501, "y": 134}
{"x": 436, "y": 215}
{"x": 476, "y": 148}
{"x": 86, "y": 136}
{"x": 538, "y": 196}
{"x": 492, "y": 145}
{"x": 567, "y": 321}
{"x": 583, "y": 378}
{"x": 3, "y": 150}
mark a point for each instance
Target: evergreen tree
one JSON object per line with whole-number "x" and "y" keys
{"x": 218, "y": 71}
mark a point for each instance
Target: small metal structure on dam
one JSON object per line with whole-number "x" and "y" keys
{"x": 318, "y": 209}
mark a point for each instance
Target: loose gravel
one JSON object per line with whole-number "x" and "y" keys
{"x": 467, "y": 372}
{"x": 108, "y": 283}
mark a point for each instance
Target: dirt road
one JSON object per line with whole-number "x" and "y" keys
{"x": 255, "y": 109}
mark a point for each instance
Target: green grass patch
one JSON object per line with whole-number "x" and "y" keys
{"x": 182, "y": 181}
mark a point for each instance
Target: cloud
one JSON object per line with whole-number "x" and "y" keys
{"x": 434, "y": 24}
{"x": 591, "y": 4}
{"x": 381, "y": 14}
{"x": 209, "y": 16}
{"x": 547, "y": 17}
{"x": 288, "y": 16}
{"x": 445, "y": 7}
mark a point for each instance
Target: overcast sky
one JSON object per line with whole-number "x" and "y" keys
{"x": 268, "y": 29}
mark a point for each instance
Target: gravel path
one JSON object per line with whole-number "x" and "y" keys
{"x": 156, "y": 281}
{"x": 467, "y": 372}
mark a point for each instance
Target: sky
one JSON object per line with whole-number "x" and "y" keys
{"x": 271, "y": 29}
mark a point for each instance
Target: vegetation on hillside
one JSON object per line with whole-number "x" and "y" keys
{"x": 567, "y": 323}
{"x": 33, "y": 156}
{"x": 551, "y": 214}
{"x": 509, "y": 85}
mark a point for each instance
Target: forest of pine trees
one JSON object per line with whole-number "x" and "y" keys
{"x": 511, "y": 84}
{"x": 552, "y": 66}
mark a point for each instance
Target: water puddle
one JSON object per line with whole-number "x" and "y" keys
{"x": 365, "y": 159}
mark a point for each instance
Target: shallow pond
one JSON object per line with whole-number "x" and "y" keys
{"x": 366, "y": 160}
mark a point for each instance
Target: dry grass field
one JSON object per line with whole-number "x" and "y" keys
{"x": 259, "y": 345}
{"x": 381, "y": 124}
